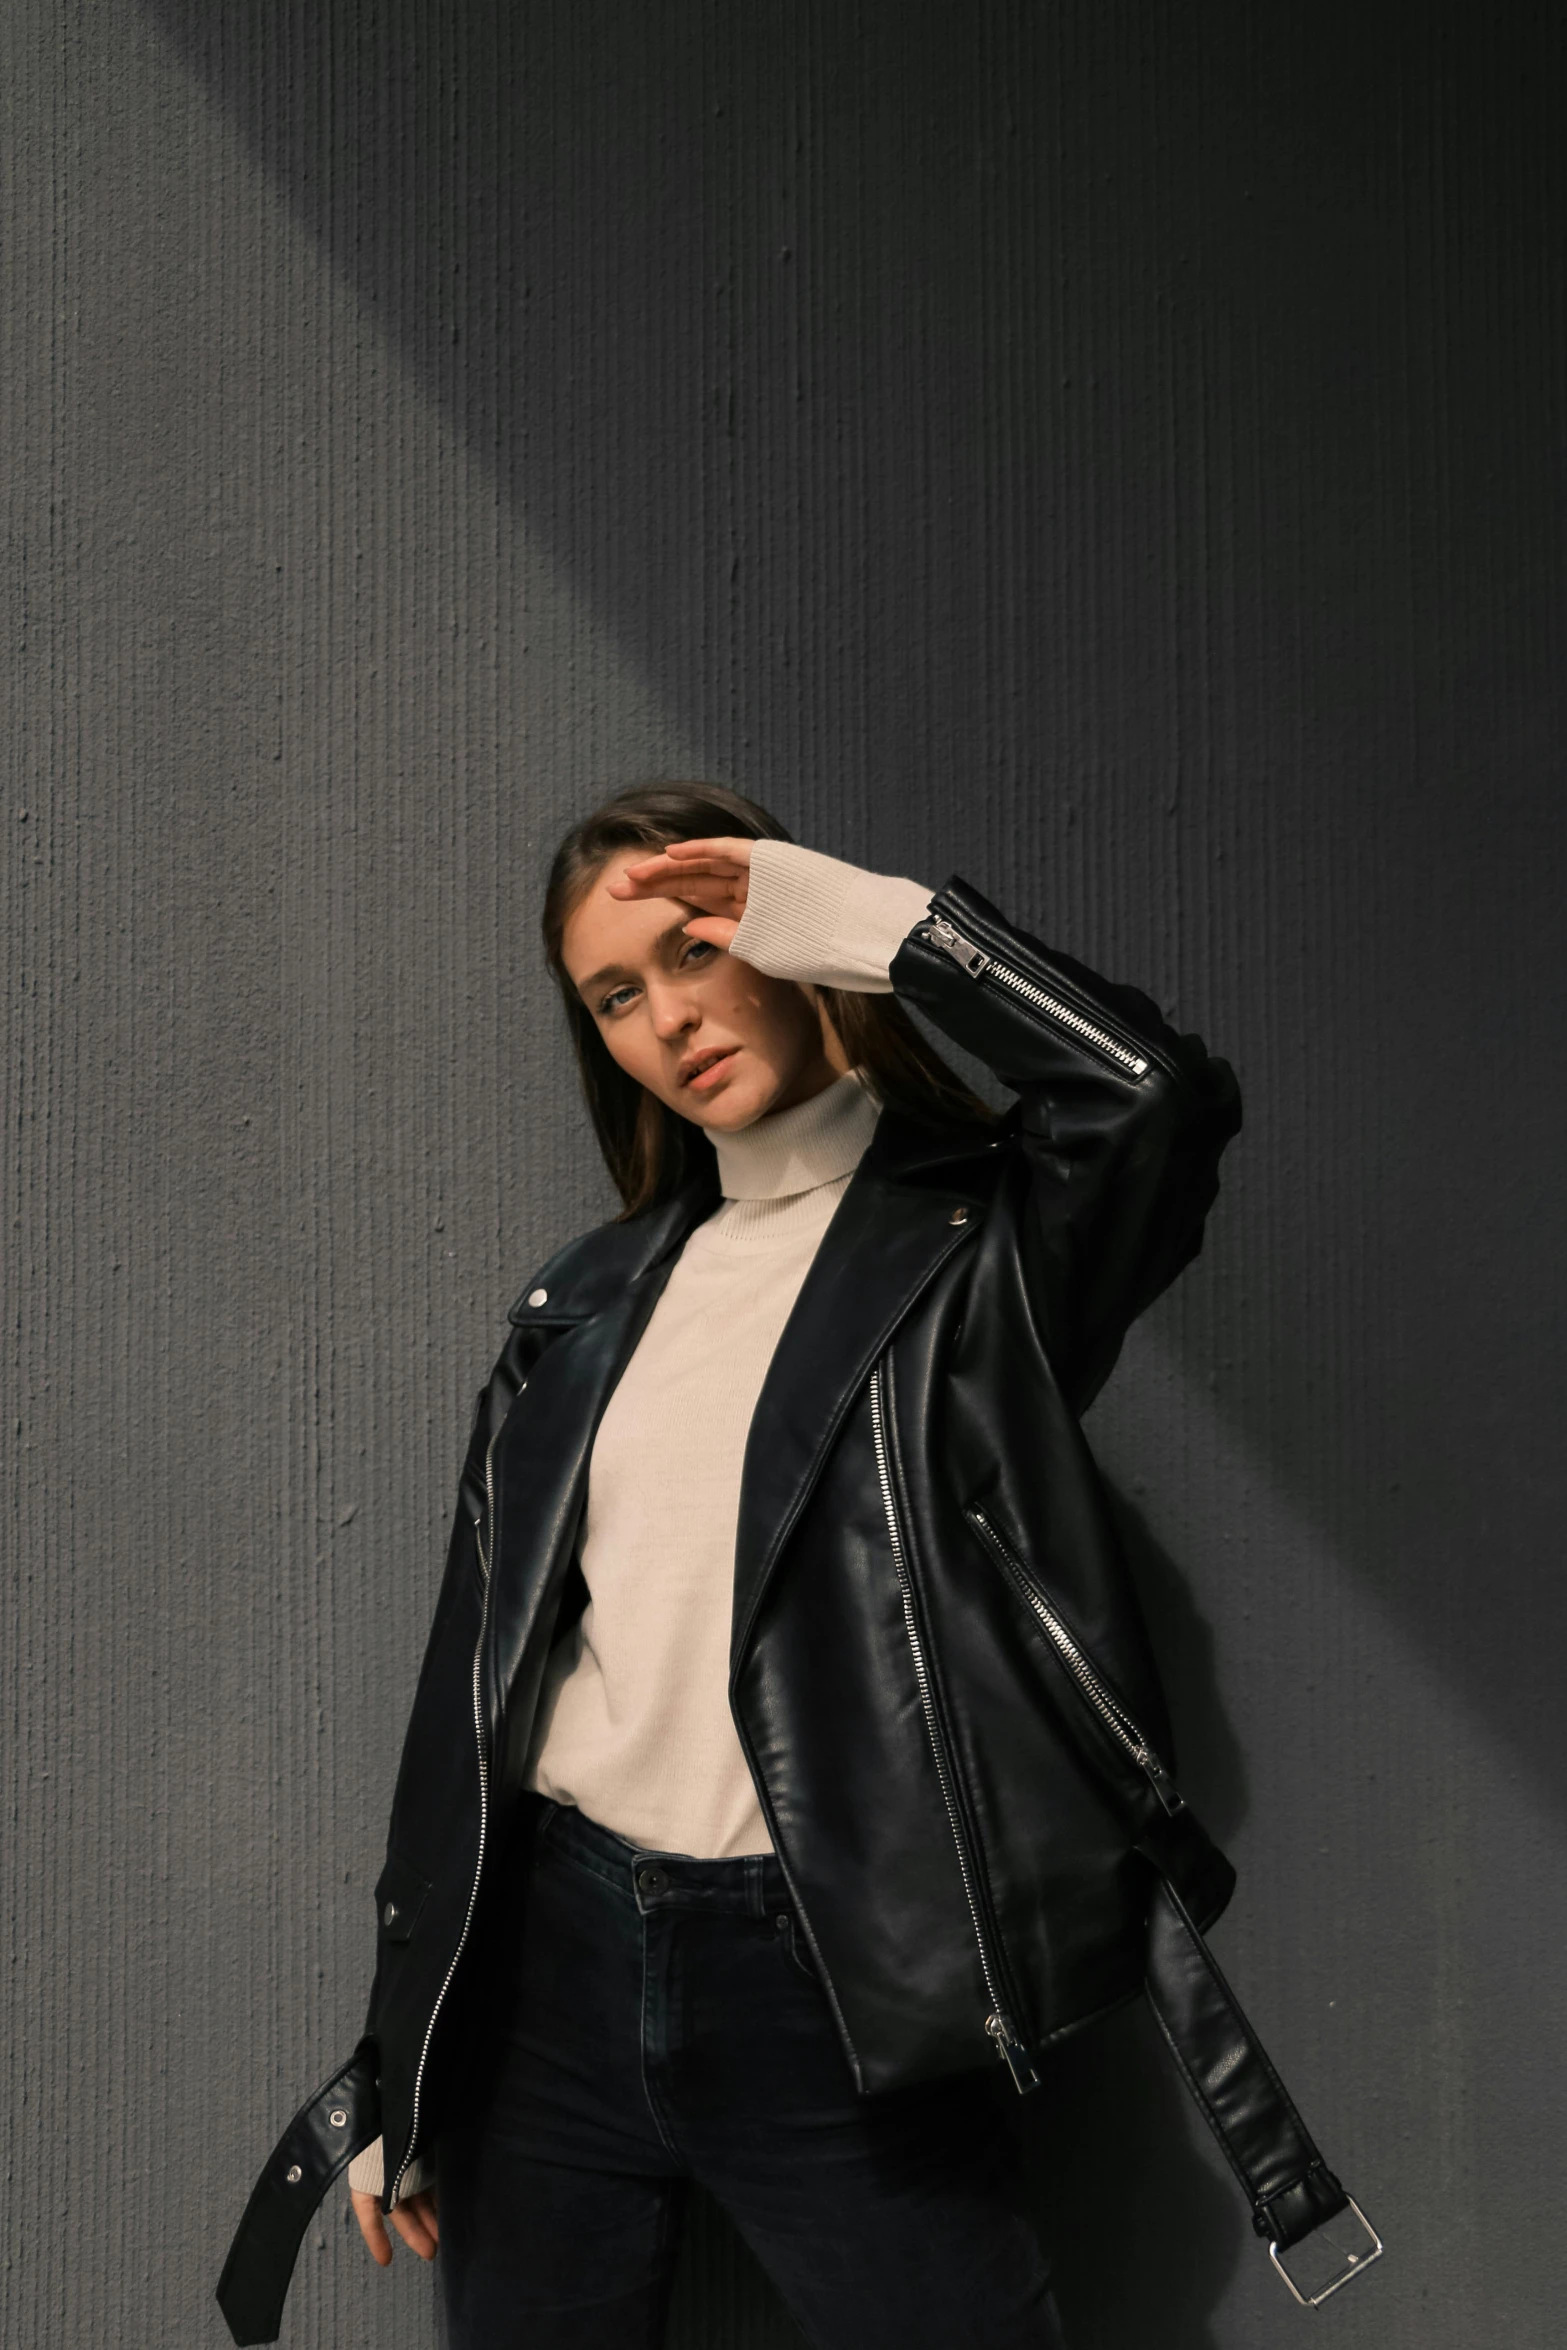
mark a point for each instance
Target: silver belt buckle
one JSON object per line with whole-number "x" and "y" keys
{"x": 1352, "y": 2263}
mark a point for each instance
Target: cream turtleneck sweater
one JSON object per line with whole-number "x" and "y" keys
{"x": 633, "y": 1724}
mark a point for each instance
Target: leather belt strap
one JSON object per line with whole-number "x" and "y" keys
{"x": 1228, "y": 2071}
{"x": 1291, "y": 2191}
{"x": 326, "y": 2133}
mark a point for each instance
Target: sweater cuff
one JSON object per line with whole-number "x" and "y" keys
{"x": 367, "y": 2174}
{"x": 816, "y": 918}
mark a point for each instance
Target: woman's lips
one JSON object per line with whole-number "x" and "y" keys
{"x": 706, "y": 1079}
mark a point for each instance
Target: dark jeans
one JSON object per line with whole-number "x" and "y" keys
{"x": 665, "y": 2023}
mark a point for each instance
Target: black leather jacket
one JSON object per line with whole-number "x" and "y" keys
{"x": 939, "y": 1673}
{"x": 931, "y": 1616}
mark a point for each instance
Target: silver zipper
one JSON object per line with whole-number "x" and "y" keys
{"x": 484, "y": 1816}
{"x": 489, "y": 1512}
{"x": 977, "y": 963}
{"x": 998, "y": 2024}
{"x": 1103, "y": 1699}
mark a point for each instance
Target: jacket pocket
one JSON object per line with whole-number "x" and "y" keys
{"x": 400, "y": 1894}
{"x": 1090, "y": 1682}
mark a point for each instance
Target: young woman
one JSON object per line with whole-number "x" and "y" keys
{"x": 787, "y": 1766}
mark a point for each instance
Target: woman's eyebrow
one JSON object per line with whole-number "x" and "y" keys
{"x": 616, "y": 970}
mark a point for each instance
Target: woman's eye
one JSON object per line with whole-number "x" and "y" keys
{"x": 695, "y": 946}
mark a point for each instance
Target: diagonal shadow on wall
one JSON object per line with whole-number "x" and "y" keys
{"x": 915, "y": 396}
{"x": 1028, "y": 397}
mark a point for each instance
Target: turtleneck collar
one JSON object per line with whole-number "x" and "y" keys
{"x": 795, "y": 1150}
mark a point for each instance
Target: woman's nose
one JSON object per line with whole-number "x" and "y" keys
{"x": 671, "y": 1010}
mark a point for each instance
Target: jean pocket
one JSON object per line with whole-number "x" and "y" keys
{"x": 794, "y": 1946}
{"x": 541, "y": 1845}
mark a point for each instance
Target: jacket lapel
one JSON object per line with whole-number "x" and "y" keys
{"x": 887, "y": 1237}
{"x": 541, "y": 1454}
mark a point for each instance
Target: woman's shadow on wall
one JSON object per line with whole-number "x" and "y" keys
{"x": 1142, "y": 2223}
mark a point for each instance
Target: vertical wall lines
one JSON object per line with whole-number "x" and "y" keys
{"x": 1110, "y": 452}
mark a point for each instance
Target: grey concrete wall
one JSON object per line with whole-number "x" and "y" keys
{"x": 1114, "y": 452}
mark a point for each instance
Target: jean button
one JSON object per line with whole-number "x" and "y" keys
{"x": 653, "y": 1880}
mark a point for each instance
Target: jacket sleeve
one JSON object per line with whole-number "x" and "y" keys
{"x": 1121, "y": 1121}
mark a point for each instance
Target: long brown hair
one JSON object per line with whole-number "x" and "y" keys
{"x": 649, "y": 1148}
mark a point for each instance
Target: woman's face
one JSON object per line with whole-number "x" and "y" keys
{"x": 721, "y": 1042}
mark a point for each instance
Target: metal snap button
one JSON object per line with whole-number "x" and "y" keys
{"x": 958, "y": 1216}
{"x": 338, "y": 2118}
{"x": 782, "y": 1923}
{"x": 389, "y": 1914}
{"x": 295, "y": 2174}
{"x": 538, "y": 1297}
{"x": 652, "y": 1880}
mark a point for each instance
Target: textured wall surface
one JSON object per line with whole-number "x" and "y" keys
{"x": 1111, "y": 451}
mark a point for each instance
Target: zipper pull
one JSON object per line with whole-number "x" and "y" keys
{"x": 1009, "y": 2046}
{"x": 1161, "y": 1782}
{"x": 940, "y": 933}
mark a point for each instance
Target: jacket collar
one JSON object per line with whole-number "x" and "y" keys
{"x": 900, "y": 1151}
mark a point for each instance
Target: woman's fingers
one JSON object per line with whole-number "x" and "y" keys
{"x": 415, "y": 2221}
{"x": 717, "y": 929}
{"x": 372, "y": 2226}
{"x": 711, "y": 874}
{"x": 710, "y": 854}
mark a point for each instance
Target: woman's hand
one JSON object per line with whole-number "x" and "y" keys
{"x": 712, "y": 875}
{"x": 414, "y": 2219}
